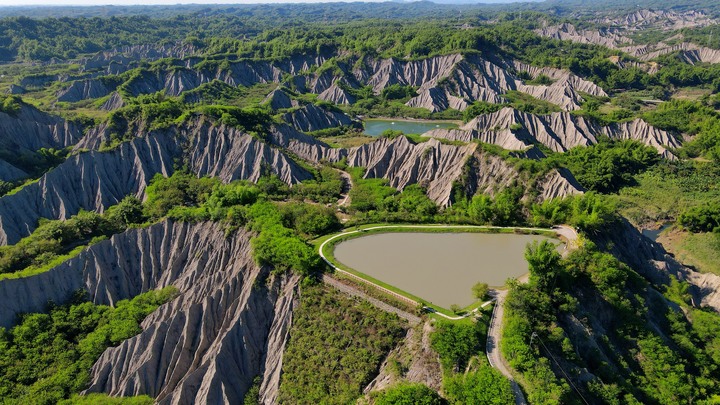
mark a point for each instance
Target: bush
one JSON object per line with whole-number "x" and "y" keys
{"x": 397, "y": 92}
{"x": 608, "y": 165}
{"x": 480, "y": 291}
{"x": 180, "y": 189}
{"x": 480, "y": 108}
{"x": 705, "y": 218}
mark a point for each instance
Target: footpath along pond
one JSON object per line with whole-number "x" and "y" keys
{"x": 375, "y": 127}
{"x": 438, "y": 267}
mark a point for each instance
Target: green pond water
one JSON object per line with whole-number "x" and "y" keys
{"x": 377, "y": 127}
{"x": 438, "y": 267}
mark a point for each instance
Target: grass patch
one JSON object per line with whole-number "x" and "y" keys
{"x": 699, "y": 250}
{"x": 21, "y": 186}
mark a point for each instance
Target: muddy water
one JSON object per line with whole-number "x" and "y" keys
{"x": 438, "y": 267}
{"x": 377, "y": 127}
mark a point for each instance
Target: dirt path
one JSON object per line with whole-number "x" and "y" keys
{"x": 413, "y": 319}
{"x": 347, "y": 186}
{"x": 492, "y": 346}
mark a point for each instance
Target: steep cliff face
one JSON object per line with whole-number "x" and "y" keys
{"x": 124, "y": 57}
{"x": 449, "y": 81}
{"x": 31, "y": 129}
{"x": 15, "y": 89}
{"x": 114, "y": 102}
{"x": 652, "y": 261}
{"x": 228, "y": 324}
{"x": 666, "y": 19}
{"x": 8, "y": 172}
{"x": 314, "y": 118}
{"x": 90, "y": 181}
{"x": 230, "y": 154}
{"x": 425, "y": 72}
{"x": 690, "y": 53}
{"x": 83, "y": 89}
{"x": 568, "y": 32}
{"x": 336, "y": 95}
{"x": 516, "y": 130}
{"x": 279, "y": 99}
{"x": 304, "y": 146}
{"x": 208, "y": 344}
{"x": 432, "y": 164}
{"x": 24, "y": 133}
{"x": 96, "y": 180}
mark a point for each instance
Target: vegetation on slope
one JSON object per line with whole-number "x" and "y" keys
{"x": 336, "y": 346}
{"x": 407, "y": 394}
{"x": 592, "y": 312}
{"x": 47, "y": 357}
{"x": 56, "y": 241}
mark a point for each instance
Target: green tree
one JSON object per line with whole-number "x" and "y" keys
{"x": 485, "y": 386}
{"x": 480, "y": 291}
{"x": 544, "y": 263}
{"x": 480, "y": 208}
{"x": 407, "y": 394}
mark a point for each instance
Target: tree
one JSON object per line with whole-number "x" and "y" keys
{"x": 480, "y": 290}
{"x": 544, "y": 263}
{"x": 484, "y": 386}
{"x": 480, "y": 209}
{"x": 408, "y": 394}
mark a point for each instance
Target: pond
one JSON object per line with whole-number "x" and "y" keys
{"x": 653, "y": 234}
{"x": 377, "y": 127}
{"x": 439, "y": 267}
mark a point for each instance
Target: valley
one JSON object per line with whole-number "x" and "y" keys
{"x": 357, "y": 203}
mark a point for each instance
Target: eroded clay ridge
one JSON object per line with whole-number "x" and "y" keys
{"x": 665, "y": 19}
{"x": 28, "y": 130}
{"x": 515, "y": 130}
{"x": 205, "y": 346}
{"x": 449, "y": 81}
{"x": 568, "y": 32}
{"x": 96, "y": 180}
{"x": 688, "y": 52}
{"x": 652, "y": 261}
{"x": 432, "y": 164}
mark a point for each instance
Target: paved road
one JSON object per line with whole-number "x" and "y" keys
{"x": 495, "y": 328}
{"x": 492, "y": 347}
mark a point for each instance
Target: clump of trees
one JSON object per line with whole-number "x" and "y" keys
{"x": 407, "y": 394}
{"x": 457, "y": 342}
{"x": 694, "y": 118}
{"x": 483, "y": 386}
{"x": 480, "y": 291}
{"x": 47, "y": 357}
{"x": 608, "y": 165}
